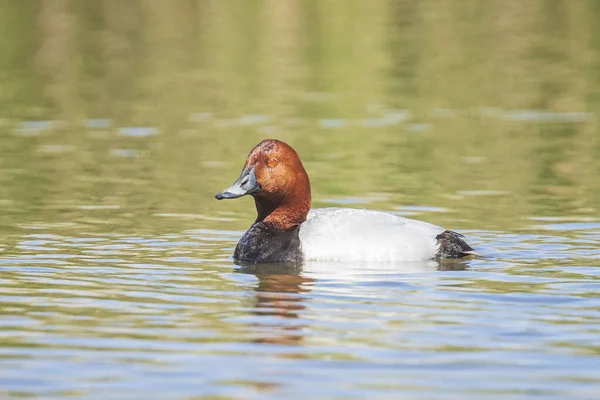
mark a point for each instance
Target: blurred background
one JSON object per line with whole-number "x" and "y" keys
{"x": 152, "y": 106}
{"x": 120, "y": 120}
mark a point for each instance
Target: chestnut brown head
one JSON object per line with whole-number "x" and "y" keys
{"x": 274, "y": 175}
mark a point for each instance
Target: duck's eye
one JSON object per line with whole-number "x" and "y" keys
{"x": 272, "y": 162}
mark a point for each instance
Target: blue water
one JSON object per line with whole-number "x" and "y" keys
{"x": 171, "y": 317}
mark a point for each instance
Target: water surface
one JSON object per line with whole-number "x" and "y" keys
{"x": 119, "y": 121}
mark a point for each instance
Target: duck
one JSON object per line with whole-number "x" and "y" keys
{"x": 287, "y": 230}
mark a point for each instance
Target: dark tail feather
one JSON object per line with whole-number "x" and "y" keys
{"x": 451, "y": 245}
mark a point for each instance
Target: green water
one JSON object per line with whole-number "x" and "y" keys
{"x": 119, "y": 121}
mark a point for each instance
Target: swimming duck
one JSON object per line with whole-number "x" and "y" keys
{"x": 287, "y": 230}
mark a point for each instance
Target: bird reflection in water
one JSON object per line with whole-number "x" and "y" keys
{"x": 279, "y": 302}
{"x": 281, "y": 294}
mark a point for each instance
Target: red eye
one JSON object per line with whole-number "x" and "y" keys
{"x": 272, "y": 162}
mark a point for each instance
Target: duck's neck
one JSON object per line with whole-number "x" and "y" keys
{"x": 286, "y": 211}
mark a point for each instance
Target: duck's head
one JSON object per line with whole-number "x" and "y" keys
{"x": 274, "y": 175}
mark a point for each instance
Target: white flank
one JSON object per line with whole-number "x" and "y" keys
{"x": 343, "y": 234}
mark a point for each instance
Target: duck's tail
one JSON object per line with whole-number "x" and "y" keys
{"x": 451, "y": 245}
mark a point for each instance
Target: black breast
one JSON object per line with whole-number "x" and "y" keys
{"x": 263, "y": 243}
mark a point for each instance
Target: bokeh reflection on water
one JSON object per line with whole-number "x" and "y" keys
{"x": 119, "y": 121}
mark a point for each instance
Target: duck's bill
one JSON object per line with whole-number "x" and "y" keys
{"x": 246, "y": 184}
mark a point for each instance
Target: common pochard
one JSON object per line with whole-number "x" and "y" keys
{"x": 287, "y": 230}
